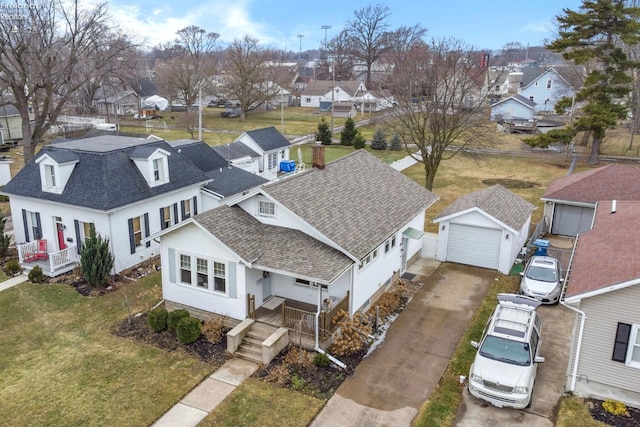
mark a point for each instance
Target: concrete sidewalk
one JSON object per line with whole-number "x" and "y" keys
{"x": 207, "y": 395}
{"x": 21, "y": 278}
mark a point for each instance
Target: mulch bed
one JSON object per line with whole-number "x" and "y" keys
{"x": 138, "y": 329}
{"x": 598, "y": 413}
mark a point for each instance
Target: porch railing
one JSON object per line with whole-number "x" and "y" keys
{"x": 63, "y": 257}
{"x": 57, "y": 260}
{"x": 304, "y": 321}
{"x": 298, "y": 320}
{"x": 327, "y": 317}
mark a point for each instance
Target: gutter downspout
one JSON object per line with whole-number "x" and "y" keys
{"x": 583, "y": 316}
{"x": 317, "y": 333}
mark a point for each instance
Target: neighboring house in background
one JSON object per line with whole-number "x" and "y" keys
{"x": 603, "y": 288}
{"x": 5, "y": 170}
{"x": 125, "y": 187}
{"x": 116, "y": 103}
{"x": 329, "y": 234}
{"x": 546, "y": 86}
{"x": 10, "y": 123}
{"x": 487, "y": 228}
{"x": 227, "y": 182}
{"x": 270, "y": 145}
{"x": 513, "y": 107}
{"x": 569, "y": 201}
{"x": 320, "y": 90}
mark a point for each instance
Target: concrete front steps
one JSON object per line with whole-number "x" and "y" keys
{"x": 251, "y": 346}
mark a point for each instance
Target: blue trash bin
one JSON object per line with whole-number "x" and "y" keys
{"x": 541, "y": 247}
{"x": 287, "y": 166}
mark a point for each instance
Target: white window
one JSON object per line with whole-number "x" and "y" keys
{"x": 167, "y": 217}
{"x": 549, "y": 84}
{"x": 186, "y": 208}
{"x": 272, "y": 161}
{"x": 219, "y": 277}
{"x": 86, "y": 230}
{"x": 50, "y": 176}
{"x": 32, "y": 219}
{"x": 266, "y": 208}
{"x": 202, "y": 271}
{"x": 633, "y": 350}
{"x": 185, "y": 269}
{"x": 137, "y": 230}
{"x": 158, "y": 170}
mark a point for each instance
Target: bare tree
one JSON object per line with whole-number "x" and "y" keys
{"x": 43, "y": 53}
{"x": 196, "y": 64}
{"x": 440, "y": 102}
{"x": 367, "y": 31}
{"x": 247, "y": 77}
{"x": 341, "y": 61}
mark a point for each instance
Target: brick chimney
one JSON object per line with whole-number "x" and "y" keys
{"x": 318, "y": 155}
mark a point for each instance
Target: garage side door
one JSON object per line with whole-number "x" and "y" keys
{"x": 571, "y": 220}
{"x": 474, "y": 246}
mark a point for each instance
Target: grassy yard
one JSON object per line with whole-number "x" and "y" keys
{"x": 60, "y": 364}
{"x": 257, "y": 403}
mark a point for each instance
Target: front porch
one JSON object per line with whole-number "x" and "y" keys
{"x": 53, "y": 264}
{"x": 300, "y": 317}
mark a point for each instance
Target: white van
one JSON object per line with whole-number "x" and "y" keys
{"x": 504, "y": 369}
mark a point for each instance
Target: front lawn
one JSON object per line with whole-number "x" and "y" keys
{"x": 61, "y": 365}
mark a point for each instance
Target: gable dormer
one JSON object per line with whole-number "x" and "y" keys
{"x": 153, "y": 164}
{"x": 55, "y": 169}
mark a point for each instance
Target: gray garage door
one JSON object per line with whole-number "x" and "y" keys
{"x": 474, "y": 245}
{"x": 571, "y": 220}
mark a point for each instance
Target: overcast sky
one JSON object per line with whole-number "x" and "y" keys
{"x": 487, "y": 24}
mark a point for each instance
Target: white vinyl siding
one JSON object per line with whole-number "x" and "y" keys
{"x": 603, "y": 313}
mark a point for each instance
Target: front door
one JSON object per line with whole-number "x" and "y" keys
{"x": 60, "y": 233}
{"x": 266, "y": 286}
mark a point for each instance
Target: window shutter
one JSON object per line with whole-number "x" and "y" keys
{"x": 621, "y": 342}
{"x": 172, "y": 265}
{"x": 175, "y": 213}
{"x": 76, "y": 226}
{"x": 182, "y": 210}
{"x": 26, "y": 225}
{"x": 233, "y": 293}
{"x": 146, "y": 228}
{"x": 132, "y": 241}
{"x": 163, "y": 225}
{"x": 39, "y": 225}
{"x": 195, "y": 205}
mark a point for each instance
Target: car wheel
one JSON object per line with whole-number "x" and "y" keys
{"x": 530, "y": 401}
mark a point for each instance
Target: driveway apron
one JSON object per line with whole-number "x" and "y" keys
{"x": 389, "y": 386}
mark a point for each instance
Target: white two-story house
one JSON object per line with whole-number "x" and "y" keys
{"x": 125, "y": 187}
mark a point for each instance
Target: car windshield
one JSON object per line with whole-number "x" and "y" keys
{"x": 542, "y": 274}
{"x": 506, "y": 350}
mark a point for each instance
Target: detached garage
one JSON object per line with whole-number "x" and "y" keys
{"x": 569, "y": 201}
{"x": 485, "y": 229}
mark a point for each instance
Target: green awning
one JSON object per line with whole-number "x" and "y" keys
{"x": 412, "y": 233}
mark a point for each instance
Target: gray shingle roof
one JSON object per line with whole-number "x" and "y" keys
{"x": 235, "y": 150}
{"x": 105, "y": 177}
{"x": 269, "y": 138}
{"x": 225, "y": 181}
{"x": 271, "y": 247}
{"x": 356, "y": 201}
{"x": 519, "y": 98}
{"x": 8, "y": 111}
{"x": 500, "y": 203}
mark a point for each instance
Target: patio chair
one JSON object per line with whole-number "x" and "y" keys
{"x": 41, "y": 252}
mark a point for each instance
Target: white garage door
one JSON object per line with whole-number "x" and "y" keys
{"x": 474, "y": 246}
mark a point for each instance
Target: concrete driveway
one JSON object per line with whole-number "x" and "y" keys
{"x": 557, "y": 323}
{"x": 389, "y": 386}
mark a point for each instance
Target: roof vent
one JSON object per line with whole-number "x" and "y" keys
{"x": 613, "y": 206}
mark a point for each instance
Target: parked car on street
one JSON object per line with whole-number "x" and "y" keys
{"x": 504, "y": 369}
{"x": 542, "y": 279}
